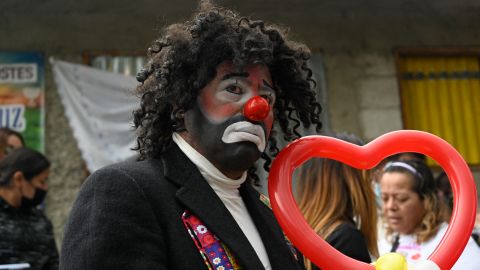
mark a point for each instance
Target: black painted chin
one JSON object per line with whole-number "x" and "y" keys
{"x": 239, "y": 156}
{"x": 229, "y": 158}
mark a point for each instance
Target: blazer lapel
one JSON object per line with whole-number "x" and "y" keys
{"x": 280, "y": 254}
{"x": 199, "y": 198}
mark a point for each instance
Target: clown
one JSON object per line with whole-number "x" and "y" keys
{"x": 236, "y": 136}
{"x": 214, "y": 92}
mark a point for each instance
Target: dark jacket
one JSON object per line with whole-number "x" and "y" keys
{"x": 26, "y": 236}
{"x": 128, "y": 216}
{"x": 349, "y": 240}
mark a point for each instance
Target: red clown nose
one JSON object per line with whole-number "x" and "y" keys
{"x": 256, "y": 108}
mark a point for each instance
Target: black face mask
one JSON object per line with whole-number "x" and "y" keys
{"x": 37, "y": 199}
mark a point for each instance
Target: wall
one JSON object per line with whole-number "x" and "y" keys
{"x": 366, "y": 94}
{"x": 67, "y": 171}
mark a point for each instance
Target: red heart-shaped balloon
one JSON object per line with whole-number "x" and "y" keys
{"x": 367, "y": 157}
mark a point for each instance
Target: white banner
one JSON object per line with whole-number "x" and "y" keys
{"x": 99, "y": 106}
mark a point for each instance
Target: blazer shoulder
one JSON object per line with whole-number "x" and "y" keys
{"x": 143, "y": 167}
{"x": 137, "y": 170}
{"x": 120, "y": 177}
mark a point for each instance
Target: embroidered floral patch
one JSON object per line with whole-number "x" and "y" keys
{"x": 214, "y": 253}
{"x": 265, "y": 200}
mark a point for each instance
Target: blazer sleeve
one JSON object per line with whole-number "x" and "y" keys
{"x": 112, "y": 226}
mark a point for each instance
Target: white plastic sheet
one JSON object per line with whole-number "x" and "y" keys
{"x": 99, "y": 106}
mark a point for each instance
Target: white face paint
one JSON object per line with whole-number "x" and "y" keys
{"x": 225, "y": 96}
{"x": 245, "y": 131}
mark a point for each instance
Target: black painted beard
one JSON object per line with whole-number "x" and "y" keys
{"x": 207, "y": 139}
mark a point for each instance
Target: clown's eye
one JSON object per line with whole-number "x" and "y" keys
{"x": 234, "y": 89}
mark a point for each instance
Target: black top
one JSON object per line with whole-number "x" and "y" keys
{"x": 26, "y": 236}
{"x": 347, "y": 239}
{"x": 129, "y": 216}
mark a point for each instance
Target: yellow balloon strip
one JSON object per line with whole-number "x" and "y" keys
{"x": 396, "y": 261}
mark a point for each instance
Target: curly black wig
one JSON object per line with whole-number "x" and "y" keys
{"x": 184, "y": 59}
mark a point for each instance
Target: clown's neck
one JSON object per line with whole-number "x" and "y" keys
{"x": 214, "y": 176}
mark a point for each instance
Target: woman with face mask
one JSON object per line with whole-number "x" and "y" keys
{"x": 26, "y": 233}
{"x": 9, "y": 140}
{"x": 415, "y": 216}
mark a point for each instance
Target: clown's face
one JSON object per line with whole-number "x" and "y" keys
{"x": 216, "y": 126}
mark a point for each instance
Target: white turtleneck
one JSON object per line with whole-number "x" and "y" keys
{"x": 227, "y": 190}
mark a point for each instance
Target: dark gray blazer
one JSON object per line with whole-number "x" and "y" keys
{"x": 128, "y": 216}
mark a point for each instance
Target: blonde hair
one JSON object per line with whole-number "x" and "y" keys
{"x": 330, "y": 193}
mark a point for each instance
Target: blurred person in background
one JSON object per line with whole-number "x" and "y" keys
{"x": 26, "y": 235}
{"x": 476, "y": 230}
{"x": 339, "y": 204}
{"x": 445, "y": 193}
{"x": 406, "y": 156}
{"x": 9, "y": 140}
{"x": 414, "y": 215}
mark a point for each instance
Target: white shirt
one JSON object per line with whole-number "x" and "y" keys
{"x": 414, "y": 253}
{"x": 227, "y": 190}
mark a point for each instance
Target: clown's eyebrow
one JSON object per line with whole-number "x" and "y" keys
{"x": 268, "y": 85}
{"x": 235, "y": 74}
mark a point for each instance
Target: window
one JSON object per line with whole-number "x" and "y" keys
{"x": 440, "y": 94}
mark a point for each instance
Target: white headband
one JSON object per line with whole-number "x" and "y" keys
{"x": 400, "y": 164}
